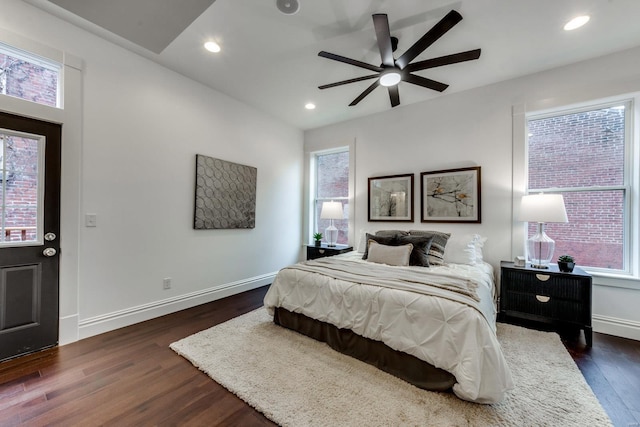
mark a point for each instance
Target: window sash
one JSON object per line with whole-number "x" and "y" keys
{"x": 38, "y": 61}
{"x": 316, "y": 224}
{"x": 629, "y": 212}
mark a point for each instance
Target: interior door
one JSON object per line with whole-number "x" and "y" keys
{"x": 29, "y": 234}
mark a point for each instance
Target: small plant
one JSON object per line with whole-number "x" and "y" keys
{"x": 565, "y": 258}
{"x": 317, "y": 236}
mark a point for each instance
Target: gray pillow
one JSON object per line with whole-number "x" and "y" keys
{"x": 390, "y": 233}
{"x": 438, "y": 243}
{"x": 421, "y": 248}
{"x": 390, "y": 255}
{"x": 383, "y": 240}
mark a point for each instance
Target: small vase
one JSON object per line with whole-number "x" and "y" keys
{"x": 566, "y": 267}
{"x": 318, "y": 243}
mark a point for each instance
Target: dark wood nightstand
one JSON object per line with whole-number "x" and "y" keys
{"x": 323, "y": 250}
{"x": 546, "y": 295}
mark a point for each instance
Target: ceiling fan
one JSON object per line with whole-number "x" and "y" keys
{"x": 392, "y": 71}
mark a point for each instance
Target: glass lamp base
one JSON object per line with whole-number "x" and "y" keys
{"x": 540, "y": 249}
{"x": 332, "y": 235}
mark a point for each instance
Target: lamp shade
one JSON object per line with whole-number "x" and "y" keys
{"x": 331, "y": 210}
{"x": 543, "y": 208}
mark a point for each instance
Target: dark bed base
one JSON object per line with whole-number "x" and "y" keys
{"x": 402, "y": 365}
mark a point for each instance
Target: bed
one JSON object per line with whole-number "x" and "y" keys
{"x": 432, "y": 326}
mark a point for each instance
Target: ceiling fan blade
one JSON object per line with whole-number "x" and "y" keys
{"x": 349, "y": 61}
{"x": 366, "y": 92}
{"x": 344, "y": 82}
{"x": 444, "y": 60}
{"x": 437, "y": 31}
{"x": 383, "y": 35}
{"x": 424, "y": 82}
{"x": 394, "y": 96}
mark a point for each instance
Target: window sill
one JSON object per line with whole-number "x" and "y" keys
{"x": 615, "y": 280}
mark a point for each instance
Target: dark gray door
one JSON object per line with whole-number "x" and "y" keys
{"x": 29, "y": 234}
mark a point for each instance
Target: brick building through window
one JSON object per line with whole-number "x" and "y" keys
{"x": 582, "y": 156}
{"x": 34, "y": 79}
{"x": 332, "y": 184}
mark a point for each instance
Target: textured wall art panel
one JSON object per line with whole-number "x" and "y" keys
{"x": 225, "y": 194}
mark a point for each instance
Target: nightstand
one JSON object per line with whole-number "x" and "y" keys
{"x": 546, "y": 295}
{"x": 323, "y": 250}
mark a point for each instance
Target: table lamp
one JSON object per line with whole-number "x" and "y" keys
{"x": 331, "y": 210}
{"x": 542, "y": 208}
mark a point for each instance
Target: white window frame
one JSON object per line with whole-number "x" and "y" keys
{"x": 630, "y": 277}
{"x": 40, "y": 61}
{"x": 314, "y": 199}
{"x": 311, "y": 150}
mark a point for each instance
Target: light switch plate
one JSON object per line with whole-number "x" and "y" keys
{"x": 90, "y": 220}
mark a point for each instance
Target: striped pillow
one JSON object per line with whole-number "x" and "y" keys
{"x": 438, "y": 243}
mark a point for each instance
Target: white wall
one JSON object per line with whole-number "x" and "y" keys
{"x": 141, "y": 127}
{"x": 475, "y": 127}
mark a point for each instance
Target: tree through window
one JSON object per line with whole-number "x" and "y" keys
{"x": 27, "y": 76}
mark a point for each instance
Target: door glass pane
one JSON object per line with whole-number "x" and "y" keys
{"x": 20, "y": 193}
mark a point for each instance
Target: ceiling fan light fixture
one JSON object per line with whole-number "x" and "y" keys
{"x": 390, "y": 78}
{"x": 576, "y": 22}
{"x": 394, "y": 70}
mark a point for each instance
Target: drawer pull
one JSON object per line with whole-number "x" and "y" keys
{"x": 542, "y": 298}
{"x": 543, "y": 277}
{"x": 321, "y": 251}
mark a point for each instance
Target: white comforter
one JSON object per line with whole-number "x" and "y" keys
{"x": 448, "y": 334}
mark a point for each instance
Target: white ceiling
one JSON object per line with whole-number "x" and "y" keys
{"x": 270, "y": 60}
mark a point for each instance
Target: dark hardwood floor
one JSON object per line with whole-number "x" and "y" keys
{"x": 132, "y": 377}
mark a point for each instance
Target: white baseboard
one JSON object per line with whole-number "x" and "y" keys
{"x": 615, "y": 326}
{"x": 68, "y": 329}
{"x": 119, "y": 319}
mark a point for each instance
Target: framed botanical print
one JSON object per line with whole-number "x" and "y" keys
{"x": 391, "y": 198}
{"x": 451, "y": 195}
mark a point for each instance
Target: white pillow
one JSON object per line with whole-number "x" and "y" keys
{"x": 390, "y": 255}
{"x": 480, "y": 241}
{"x": 464, "y": 249}
{"x": 362, "y": 240}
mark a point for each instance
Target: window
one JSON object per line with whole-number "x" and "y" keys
{"x": 21, "y": 159}
{"x": 28, "y": 76}
{"x": 331, "y": 182}
{"x": 584, "y": 155}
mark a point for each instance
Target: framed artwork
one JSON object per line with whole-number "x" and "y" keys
{"x": 451, "y": 195}
{"x": 225, "y": 194}
{"x": 391, "y": 198}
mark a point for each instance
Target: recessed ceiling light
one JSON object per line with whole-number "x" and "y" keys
{"x": 288, "y": 7}
{"x": 212, "y": 46}
{"x": 576, "y": 22}
{"x": 310, "y": 106}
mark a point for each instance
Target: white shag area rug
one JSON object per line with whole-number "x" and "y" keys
{"x": 297, "y": 381}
